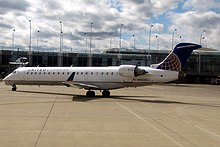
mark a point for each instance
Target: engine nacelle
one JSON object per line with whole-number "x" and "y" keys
{"x": 130, "y": 71}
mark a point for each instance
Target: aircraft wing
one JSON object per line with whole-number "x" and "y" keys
{"x": 80, "y": 85}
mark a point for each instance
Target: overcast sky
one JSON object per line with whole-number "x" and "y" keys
{"x": 189, "y": 17}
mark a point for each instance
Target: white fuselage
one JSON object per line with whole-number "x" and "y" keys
{"x": 100, "y": 77}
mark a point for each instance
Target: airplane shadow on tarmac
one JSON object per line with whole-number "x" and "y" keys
{"x": 144, "y": 99}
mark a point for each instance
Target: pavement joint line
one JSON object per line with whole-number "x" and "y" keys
{"x": 196, "y": 113}
{"x": 48, "y": 115}
{"x": 209, "y": 132}
{"x": 155, "y": 120}
{"x": 145, "y": 121}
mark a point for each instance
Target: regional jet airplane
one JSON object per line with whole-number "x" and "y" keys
{"x": 105, "y": 78}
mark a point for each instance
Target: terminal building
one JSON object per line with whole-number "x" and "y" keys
{"x": 202, "y": 67}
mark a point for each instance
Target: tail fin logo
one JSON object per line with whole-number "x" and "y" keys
{"x": 177, "y": 59}
{"x": 172, "y": 62}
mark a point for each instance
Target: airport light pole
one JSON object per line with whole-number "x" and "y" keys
{"x": 157, "y": 42}
{"x": 201, "y": 36}
{"x": 30, "y": 59}
{"x": 90, "y": 47}
{"x": 119, "y": 50}
{"x": 85, "y": 41}
{"x": 149, "y": 39}
{"x": 134, "y": 40}
{"x": 110, "y": 44}
{"x": 38, "y": 35}
{"x": 120, "y": 36}
{"x": 12, "y": 43}
{"x": 181, "y": 39}
{"x": 173, "y": 38}
{"x": 60, "y": 52}
{"x": 149, "y": 44}
{"x": 61, "y": 32}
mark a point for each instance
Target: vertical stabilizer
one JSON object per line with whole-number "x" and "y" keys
{"x": 177, "y": 59}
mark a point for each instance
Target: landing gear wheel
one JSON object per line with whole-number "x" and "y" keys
{"x": 14, "y": 88}
{"x": 105, "y": 93}
{"x": 90, "y": 94}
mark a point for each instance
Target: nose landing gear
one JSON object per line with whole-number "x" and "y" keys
{"x": 14, "y": 88}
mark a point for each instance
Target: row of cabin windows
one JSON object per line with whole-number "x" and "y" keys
{"x": 47, "y": 73}
{"x": 78, "y": 73}
{"x": 92, "y": 73}
{"x": 51, "y": 70}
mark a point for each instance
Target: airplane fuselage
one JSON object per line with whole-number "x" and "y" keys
{"x": 100, "y": 77}
{"x": 105, "y": 78}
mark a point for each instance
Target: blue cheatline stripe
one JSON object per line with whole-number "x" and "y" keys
{"x": 71, "y": 77}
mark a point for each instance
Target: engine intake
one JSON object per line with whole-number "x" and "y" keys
{"x": 130, "y": 71}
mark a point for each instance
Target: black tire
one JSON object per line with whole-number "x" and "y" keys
{"x": 90, "y": 94}
{"x": 14, "y": 88}
{"x": 105, "y": 93}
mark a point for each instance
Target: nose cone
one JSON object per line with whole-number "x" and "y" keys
{"x": 7, "y": 79}
{"x": 11, "y": 78}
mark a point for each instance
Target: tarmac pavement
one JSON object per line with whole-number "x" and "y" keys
{"x": 157, "y": 115}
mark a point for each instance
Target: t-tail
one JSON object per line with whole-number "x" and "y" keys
{"x": 177, "y": 59}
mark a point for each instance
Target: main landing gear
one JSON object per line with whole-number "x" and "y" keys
{"x": 90, "y": 93}
{"x": 14, "y": 88}
{"x": 105, "y": 93}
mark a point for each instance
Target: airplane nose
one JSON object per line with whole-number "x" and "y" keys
{"x": 7, "y": 80}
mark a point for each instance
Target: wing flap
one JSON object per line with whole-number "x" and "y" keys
{"x": 80, "y": 85}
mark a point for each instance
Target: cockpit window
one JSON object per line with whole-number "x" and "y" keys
{"x": 14, "y": 72}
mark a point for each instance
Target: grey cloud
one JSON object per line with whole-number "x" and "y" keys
{"x": 72, "y": 36}
{"x": 134, "y": 14}
{"x": 199, "y": 20}
{"x": 146, "y": 10}
{"x": 191, "y": 24}
{"x": 52, "y": 5}
{"x": 201, "y": 5}
{"x": 138, "y": 1}
{"x": 9, "y": 5}
{"x": 4, "y": 25}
